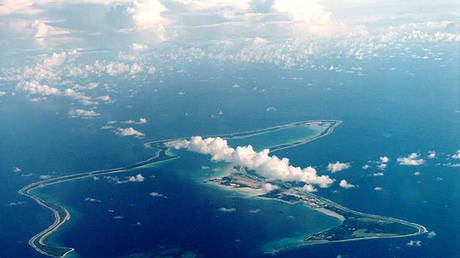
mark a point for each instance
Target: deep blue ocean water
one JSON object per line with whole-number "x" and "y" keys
{"x": 383, "y": 113}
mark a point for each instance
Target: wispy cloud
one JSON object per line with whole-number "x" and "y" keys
{"x": 83, "y": 113}
{"x": 223, "y": 209}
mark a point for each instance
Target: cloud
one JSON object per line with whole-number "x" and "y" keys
{"x": 158, "y": 195}
{"x": 2, "y": 93}
{"x": 223, "y": 21}
{"x": 208, "y": 5}
{"x": 140, "y": 122}
{"x": 18, "y": 6}
{"x": 105, "y": 98}
{"x": 112, "y": 68}
{"x": 34, "y": 87}
{"x": 344, "y": 184}
{"x": 38, "y": 31}
{"x": 431, "y": 154}
{"x": 411, "y": 160}
{"x": 308, "y": 188}
{"x": 117, "y": 68}
{"x": 270, "y": 187}
{"x": 85, "y": 100}
{"x": 270, "y": 167}
{"x": 378, "y": 188}
{"x": 365, "y": 167}
{"x": 116, "y": 179}
{"x": 137, "y": 178}
{"x": 378, "y": 174}
{"x": 223, "y": 209}
{"x": 36, "y": 79}
{"x": 89, "y": 199}
{"x": 414, "y": 243}
{"x": 456, "y": 155}
{"x": 58, "y": 59}
{"x": 382, "y": 166}
{"x": 18, "y": 203}
{"x": 338, "y": 166}
{"x": 138, "y": 47}
{"x": 417, "y": 173}
{"x": 254, "y": 211}
{"x": 83, "y": 113}
{"x": 129, "y": 132}
{"x": 17, "y": 170}
{"x": 384, "y": 159}
{"x": 146, "y": 15}
{"x": 431, "y": 234}
{"x": 311, "y": 17}
{"x": 304, "y": 11}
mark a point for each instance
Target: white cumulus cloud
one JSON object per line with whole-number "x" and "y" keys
{"x": 137, "y": 178}
{"x": 431, "y": 234}
{"x": 366, "y": 166}
{"x": 146, "y": 15}
{"x": 270, "y": 167}
{"x": 414, "y": 243}
{"x": 129, "y": 132}
{"x": 85, "y": 100}
{"x": 431, "y": 154}
{"x": 338, "y": 166}
{"x": 34, "y": 87}
{"x": 412, "y": 160}
{"x": 308, "y": 188}
{"x": 456, "y": 155}
{"x": 384, "y": 159}
{"x": 344, "y": 184}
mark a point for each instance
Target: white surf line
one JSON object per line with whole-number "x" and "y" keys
{"x": 58, "y": 223}
{"x": 26, "y": 191}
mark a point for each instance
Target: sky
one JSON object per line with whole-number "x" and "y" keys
{"x": 83, "y": 51}
{"x": 42, "y": 38}
{"x": 122, "y": 24}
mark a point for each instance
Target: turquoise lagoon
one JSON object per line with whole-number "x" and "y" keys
{"x": 189, "y": 215}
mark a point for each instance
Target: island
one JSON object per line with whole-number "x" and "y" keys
{"x": 61, "y": 214}
{"x": 354, "y": 225}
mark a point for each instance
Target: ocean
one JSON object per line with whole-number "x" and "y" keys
{"x": 382, "y": 116}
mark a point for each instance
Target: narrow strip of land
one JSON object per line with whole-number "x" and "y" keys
{"x": 61, "y": 214}
{"x": 355, "y": 225}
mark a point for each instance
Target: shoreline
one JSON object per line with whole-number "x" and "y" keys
{"x": 38, "y": 240}
{"x": 163, "y": 154}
